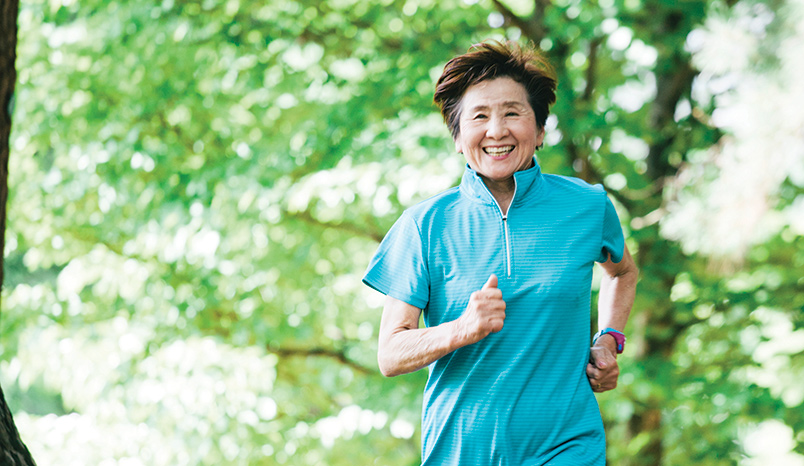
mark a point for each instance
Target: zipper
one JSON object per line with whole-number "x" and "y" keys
{"x": 505, "y": 230}
{"x": 507, "y": 246}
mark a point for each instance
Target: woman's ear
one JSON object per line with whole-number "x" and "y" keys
{"x": 539, "y": 138}
{"x": 458, "y": 147}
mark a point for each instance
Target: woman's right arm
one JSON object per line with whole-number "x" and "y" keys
{"x": 404, "y": 347}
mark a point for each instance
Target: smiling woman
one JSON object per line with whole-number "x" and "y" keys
{"x": 496, "y": 112}
{"x": 501, "y": 269}
{"x": 498, "y": 134}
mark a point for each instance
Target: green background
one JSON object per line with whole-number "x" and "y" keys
{"x": 196, "y": 188}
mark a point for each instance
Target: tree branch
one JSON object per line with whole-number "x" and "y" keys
{"x": 337, "y": 355}
{"x": 670, "y": 88}
{"x": 591, "y": 175}
{"x": 307, "y": 217}
{"x": 531, "y": 27}
{"x": 591, "y": 69}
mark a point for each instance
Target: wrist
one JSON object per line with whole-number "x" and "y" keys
{"x": 611, "y": 334}
{"x": 457, "y": 334}
{"x": 607, "y": 341}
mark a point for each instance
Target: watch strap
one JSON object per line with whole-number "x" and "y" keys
{"x": 618, "y": 336}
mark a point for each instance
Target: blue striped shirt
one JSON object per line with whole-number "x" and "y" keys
{"x": 519, "y": 396}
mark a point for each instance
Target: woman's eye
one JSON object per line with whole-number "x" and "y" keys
{"x": 480, "y": 116}
{"x": 511, "y": 114}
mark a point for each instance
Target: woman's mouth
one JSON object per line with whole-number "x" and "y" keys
{"x": 498, "y": 151}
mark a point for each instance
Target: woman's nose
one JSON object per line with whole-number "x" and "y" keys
{"x": 496, "y": 128}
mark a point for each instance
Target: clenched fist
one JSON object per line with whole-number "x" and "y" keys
{"x": 485, "y": 313}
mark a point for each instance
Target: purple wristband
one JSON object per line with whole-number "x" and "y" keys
{"x": 618, "y": 336}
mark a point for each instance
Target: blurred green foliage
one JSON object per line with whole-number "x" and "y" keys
{"x": 197, "y": 186}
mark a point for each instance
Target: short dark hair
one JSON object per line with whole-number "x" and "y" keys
{"x": 491, "y": 60}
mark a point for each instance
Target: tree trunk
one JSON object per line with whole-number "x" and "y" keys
{"x": 12, "y": 451}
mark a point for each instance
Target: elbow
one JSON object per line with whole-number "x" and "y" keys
{"x": 629, "y": 278}
{"x": 635, "y": 273}
{"x": 387, "y": 365}
{"x": 633, "y": 269}
{"x": 629, "y": 271}
{"x": 390, "y": 361}
{"x": 387, "y": 358}
{"x": 632, "y": 272}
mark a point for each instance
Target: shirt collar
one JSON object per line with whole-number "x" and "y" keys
{"x": 528, "y": 185}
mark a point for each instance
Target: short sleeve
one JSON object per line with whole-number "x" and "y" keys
{"x": 613, "y": 240}
{"x": 399, "y": 267}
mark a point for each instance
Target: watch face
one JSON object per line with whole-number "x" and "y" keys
{"x": 620, "y": 339}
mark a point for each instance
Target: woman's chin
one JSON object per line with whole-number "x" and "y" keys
{"x": 498, "y": 175}
{"x": 500, "y": 171}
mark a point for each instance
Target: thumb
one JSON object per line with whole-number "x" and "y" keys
{"x": 491, "y": 282}
{"x": 597, "y": 359}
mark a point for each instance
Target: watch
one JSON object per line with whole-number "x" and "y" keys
{"x": 619, "y": 337}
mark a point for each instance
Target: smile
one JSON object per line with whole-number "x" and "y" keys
{"x": 498, "y": 151}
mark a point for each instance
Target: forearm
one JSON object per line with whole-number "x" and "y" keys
{"x": 616, "y": 298}
{"x": 407, "y": 350}
{"x": 404, "y": 347}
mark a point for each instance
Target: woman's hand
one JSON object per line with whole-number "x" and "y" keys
{"x": 484, "y": 314}
{"x": 602, "y": 369}
{"x": 403, "y": 347}
{"x": 617, "y": 291}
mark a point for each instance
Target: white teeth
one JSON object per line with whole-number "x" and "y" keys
{"x": 498, "y": 150}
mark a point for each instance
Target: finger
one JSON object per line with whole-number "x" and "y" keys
{"x": 601, "y": 357}
{"x": 606, "y": 362}
{"x": 491, "y": 282}
{"x": 592, "y": 372}
{"x": 596, "y": 384}
{"x": 601, "y": 381}
{"x": 596, "y": 360}
{"x": 497, "y": 326}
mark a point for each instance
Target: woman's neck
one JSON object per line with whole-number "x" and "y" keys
{"x": 502, "y": 191}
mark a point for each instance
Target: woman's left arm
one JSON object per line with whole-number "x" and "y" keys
{"x": 617, "y": 292}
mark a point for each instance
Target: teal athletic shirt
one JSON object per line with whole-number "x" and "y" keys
{"x": 520, "y": 396}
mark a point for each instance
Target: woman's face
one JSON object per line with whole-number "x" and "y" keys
{"x": 498, "y": 131}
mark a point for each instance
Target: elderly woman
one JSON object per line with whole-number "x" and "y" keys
{"x": 501, "y": 267}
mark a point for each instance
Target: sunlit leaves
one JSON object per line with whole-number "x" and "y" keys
{"x": 196, "y": 188}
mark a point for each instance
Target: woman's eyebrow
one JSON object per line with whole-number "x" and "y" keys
{"x": 513, "y": 103}
{"x": 478, "y": 108}
{"x": 510, "y": 103}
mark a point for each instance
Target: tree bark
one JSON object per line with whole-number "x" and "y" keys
{"x": 12, "y": 451}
